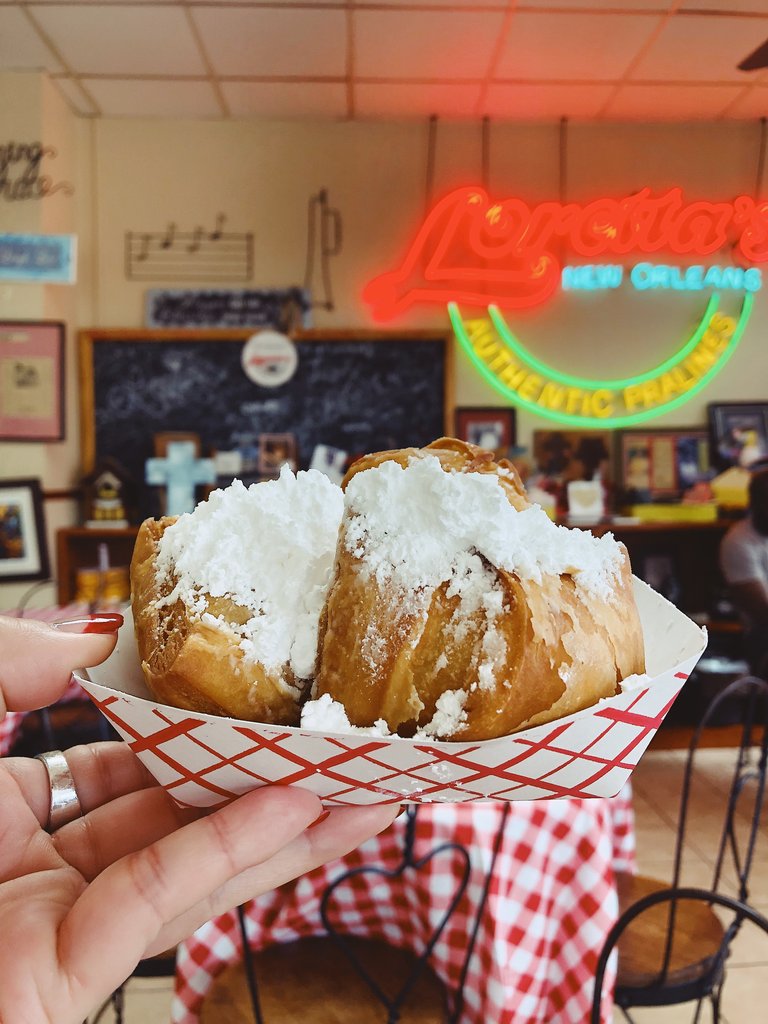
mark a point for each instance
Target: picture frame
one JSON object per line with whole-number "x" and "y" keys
{"x": 489, "y": 427}
{"x": 738, "y": 433}
{"x": 564, "y": 455}
{"x": 23, "y": 544}
{"x": 662, "y": 464}
{"x": 32, "y": 380}
{"x": 276, "y": 451}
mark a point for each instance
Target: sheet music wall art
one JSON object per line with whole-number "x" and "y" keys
{"x": 198, "y": 255}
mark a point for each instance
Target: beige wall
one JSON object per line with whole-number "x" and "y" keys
{"x": 139, "y": 175}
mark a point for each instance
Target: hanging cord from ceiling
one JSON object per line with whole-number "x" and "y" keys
{"x": 562, "y": 185}
{"x": 762, "y": 139}
{"x": 430, "y": 170}
{"x": 326, "y": 218}
{"x": 485, "y": 153}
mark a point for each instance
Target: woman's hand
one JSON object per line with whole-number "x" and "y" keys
{"x": 135, "y": 874}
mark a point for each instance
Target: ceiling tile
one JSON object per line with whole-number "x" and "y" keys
{"x": 286, "y": 99}
{"x": 751, "y": 103}
{"x": 671, "y": 102}
{"x": 151, "y": 98}
{"x": 424, "y": 44}
{"x": 567, "y": 46}
{"x": 270, "y": 41}
{"x": 404, "y": 101}
{"x": 614, "y": 5}
{"x": 545, "y": 102}
{"x": 756, "y": 6}
{"x": 75, "y": 97}
{"x": 44, "y": 3}
{"x": 117, "y": 40}
{"x": 702, "y": 48}
{"x": 21, "y": 47}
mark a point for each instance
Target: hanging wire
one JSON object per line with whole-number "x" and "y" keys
{"x": 431, "y": 148}
{"x": 761, "y": 157}
{"x": 563, "y": 154}
{"x": 485, "y": 153}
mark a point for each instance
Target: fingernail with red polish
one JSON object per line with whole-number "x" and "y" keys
{"x": 320, "y": 818}
{"x": 101, "y": 622}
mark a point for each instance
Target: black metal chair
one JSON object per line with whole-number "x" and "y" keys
{"x": 672, "y": 946}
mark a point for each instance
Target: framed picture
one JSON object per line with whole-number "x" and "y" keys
{"x": 488, "y": 427}
{"x": 565, "y": 455}
{"x": 663, "y": 464}
{"x": 23, "y": 547}
{"x": 31, "y": 380}
{"x": 276, "y": 451}
{"x": 738, "y": 433}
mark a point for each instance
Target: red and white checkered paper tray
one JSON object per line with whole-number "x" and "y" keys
{"x": 203, "y": 760}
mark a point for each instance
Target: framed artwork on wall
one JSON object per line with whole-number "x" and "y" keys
{"x": 487, "y": 426}
{"x": 663, "y": 464}
{"x": 31, "y": 380}
{"x": 276, "y": 451}
{"x": 23, "y": 546}
{"x": 573, "y": 454}
{"x": 738, "y": 433}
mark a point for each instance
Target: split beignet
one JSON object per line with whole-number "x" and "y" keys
{"x": 227, "y": 598}
{"x": 459, "y": 609}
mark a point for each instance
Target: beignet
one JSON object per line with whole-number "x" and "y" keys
{"x": 459, "y": 609}
{"x": 227, "y": 598}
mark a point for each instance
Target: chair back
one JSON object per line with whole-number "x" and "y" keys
{"x": 745, "y": 798}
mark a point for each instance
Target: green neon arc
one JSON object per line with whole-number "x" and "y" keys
{"x": 583, "y": 382}
{"x": 597, "y": 421}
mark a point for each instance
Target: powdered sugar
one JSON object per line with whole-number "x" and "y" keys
{"x": 449, "y": 715}
{"x": 328, "y": 715}
{"x": 419, "y": 526}
{"x": 270, "y": 549}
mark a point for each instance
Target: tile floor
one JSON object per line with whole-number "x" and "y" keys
{"x": 657, "y": 785}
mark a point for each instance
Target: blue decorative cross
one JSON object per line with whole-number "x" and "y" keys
{"x": 180, "y": 471}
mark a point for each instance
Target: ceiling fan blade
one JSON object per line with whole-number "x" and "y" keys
{"x": 756, "y": 60}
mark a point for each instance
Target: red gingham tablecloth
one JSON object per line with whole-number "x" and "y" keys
{"x": 551, "y": 903}
{"x": 10, "y": 726}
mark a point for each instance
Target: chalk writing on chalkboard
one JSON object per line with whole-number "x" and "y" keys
{"x": 286, "y": 308}
{"x": 196, "y": 255}
{"x": 357, "y": 392}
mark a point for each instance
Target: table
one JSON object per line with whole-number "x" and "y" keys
{"x": 551, "y": 902}
{"x": 10, "y": 726}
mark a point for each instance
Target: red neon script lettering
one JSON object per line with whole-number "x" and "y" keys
{"x": 472, "y": 250}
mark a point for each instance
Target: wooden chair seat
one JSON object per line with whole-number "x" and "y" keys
{"x": 312, "y": 982}
{"x": 698, "y": 936}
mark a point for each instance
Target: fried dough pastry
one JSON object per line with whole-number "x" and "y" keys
{"x": 484, "y": 653}
{"x": 189, "y": 662}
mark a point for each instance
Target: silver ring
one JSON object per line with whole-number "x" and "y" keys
{"x": 64, "y": 803}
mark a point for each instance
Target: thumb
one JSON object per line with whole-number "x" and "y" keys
{"x": 37, "y": 659}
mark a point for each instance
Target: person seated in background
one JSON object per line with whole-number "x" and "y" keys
{"x": 744, "y": 564}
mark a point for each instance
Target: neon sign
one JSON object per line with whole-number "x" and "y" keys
{"x": 473, "y": 251}
{"x": 514, "y": 372}
{"x": 476, "y": 251}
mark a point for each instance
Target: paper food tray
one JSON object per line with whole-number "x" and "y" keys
{"x": 203, "y": 760}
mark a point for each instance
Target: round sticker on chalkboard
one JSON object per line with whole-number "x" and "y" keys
{"x": 269, "y": 358}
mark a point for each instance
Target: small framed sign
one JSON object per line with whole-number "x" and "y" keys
{"x": 31, "y": 380}
{"x": 488, "y": 426}
{"x": 660, "y": 465}
{"x": 738, "y": 433}
{"x": 50, "y": 259}
{"x": 23, "y": 547}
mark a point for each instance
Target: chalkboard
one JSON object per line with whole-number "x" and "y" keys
{"x": 357, "y": 391}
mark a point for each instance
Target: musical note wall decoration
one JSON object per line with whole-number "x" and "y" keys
{"x": 197, "y": 255}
